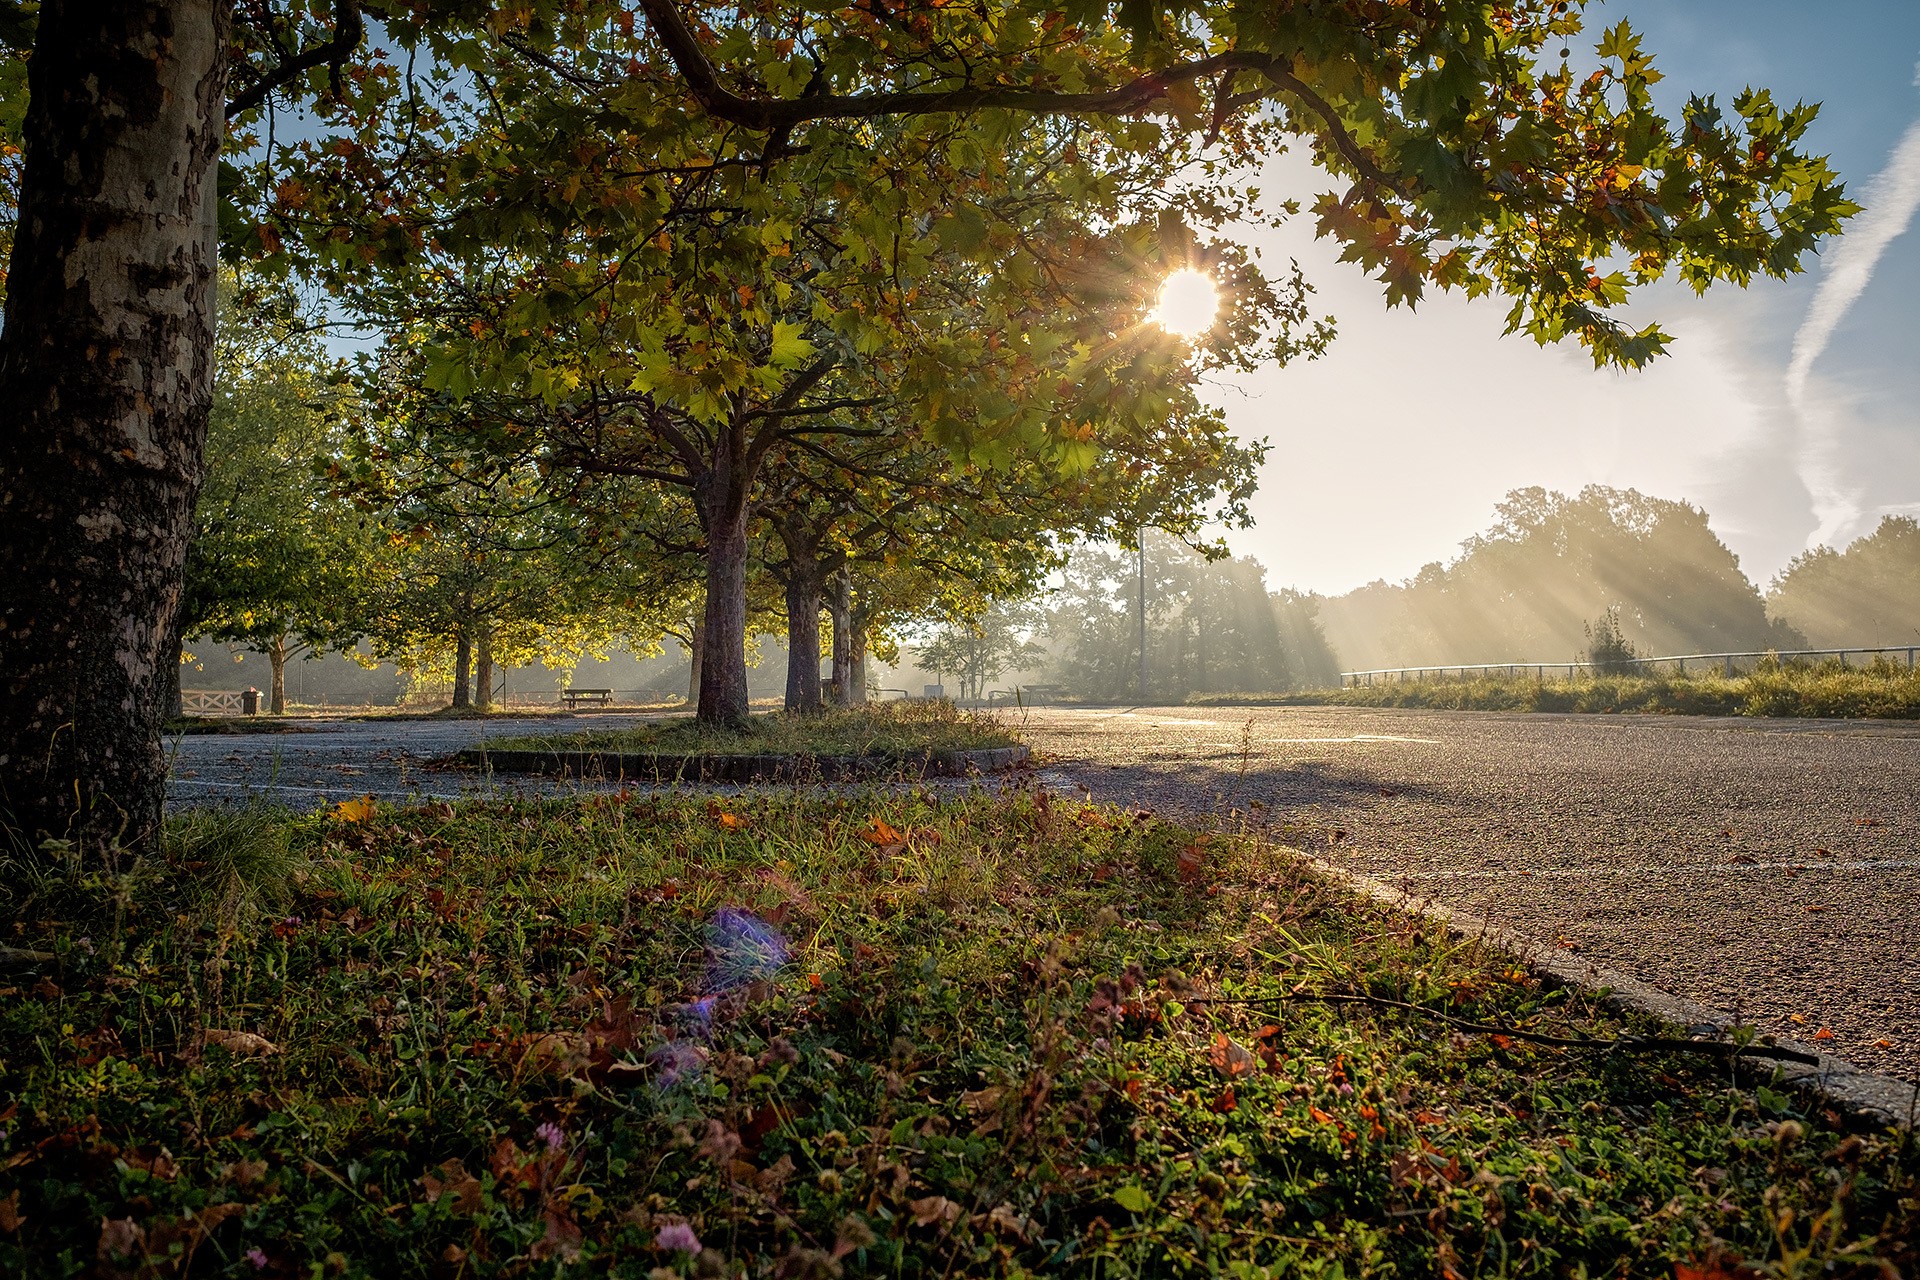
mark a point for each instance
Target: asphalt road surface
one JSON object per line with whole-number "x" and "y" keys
{"x": 1766, "y": 868}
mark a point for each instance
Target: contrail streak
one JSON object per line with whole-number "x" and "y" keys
{"x": 1890, "y": 201}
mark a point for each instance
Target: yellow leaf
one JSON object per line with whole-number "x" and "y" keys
{"x": 357, "y": 810}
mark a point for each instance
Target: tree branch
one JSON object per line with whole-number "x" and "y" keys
{"x": 348, "y": 29}
{"x": 703, "y": 81}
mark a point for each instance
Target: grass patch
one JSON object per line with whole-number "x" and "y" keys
{"x": 881, "y": 730}
{"x": 897, "y": 1034}
{"x": 1882, "y": 690}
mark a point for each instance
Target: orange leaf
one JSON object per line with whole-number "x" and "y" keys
{"x": 1824, "y": 1033}
{"x": 729, "y": 821}
{"x": 883, "y": 834}
{"x": 1319, "y": 1115}
{"x": 1226, "y": 1101}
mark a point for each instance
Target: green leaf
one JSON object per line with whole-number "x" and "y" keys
{"x": 1133, "y": 1198}
{"x": 789, "y": 349}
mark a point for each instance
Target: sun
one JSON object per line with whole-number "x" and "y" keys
{"x": 1189, "y": 304}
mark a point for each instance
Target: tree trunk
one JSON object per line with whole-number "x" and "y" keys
{"x": 803, "y": 636}
{"x": 483, "y": 673}
{"x": 277, "y": 690}
{"x": 462, "y": 671}
{"x": 840, "y": 606}
{"x": 105, "y": 381}
{"x": 720, "y": 496}
{"x": 176, "y": 699}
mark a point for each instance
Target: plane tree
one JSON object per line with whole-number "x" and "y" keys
{"x": 1461, "y": 154}
{"x": 755, "y": 315}
{"x": 277, "y": 562}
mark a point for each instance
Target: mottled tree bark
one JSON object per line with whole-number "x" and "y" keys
{"x": 860, "y": 621}
{"x": 721, "y": 496}
{"x": 804, "y": 581}
{"x": 462, "y": 671}
{"x": 803, "y": 640}
{"x": 483, "y": 672}
{"x": 277, "y": 686}
{"x": 839, "y": 607}
{"x": 105, "y": 381}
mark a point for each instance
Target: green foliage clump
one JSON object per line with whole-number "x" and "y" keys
{"x": 894, "y": 1033}
{"x": 1868, "y": 593}
{"x": 1530, "y": 586}
{"x": 1212, "y": 626}
{"x": 889, "y": 730}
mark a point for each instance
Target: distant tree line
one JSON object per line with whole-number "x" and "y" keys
{"x": 1554, "y": 575}
{"x": 1601, "y": 576}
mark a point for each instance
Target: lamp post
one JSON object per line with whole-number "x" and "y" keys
{"x": 1140, "y": 566}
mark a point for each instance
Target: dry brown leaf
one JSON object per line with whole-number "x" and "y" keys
{"x": 932, "y": 1209}
{"x": 451, "y": 1179}
{"x": 1229, "y": 1058}
{"x": 241, "y": 1043}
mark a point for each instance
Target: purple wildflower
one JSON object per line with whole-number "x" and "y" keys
{"x": 550, "y": 1133}
{"x": 257, "y": 1258}
{"x": 678, "y": 1236}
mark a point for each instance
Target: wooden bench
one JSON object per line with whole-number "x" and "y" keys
{"x": 597, "y": 697}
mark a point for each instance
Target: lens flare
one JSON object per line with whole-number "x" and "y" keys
{"x": 1189, "y": 304}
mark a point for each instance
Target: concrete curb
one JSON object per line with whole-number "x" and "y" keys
{"x": 1876, "y": 1100}
{"x": 616, "y": 765}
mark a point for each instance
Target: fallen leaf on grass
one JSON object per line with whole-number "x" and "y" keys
{"x": 454, "y": 1184}
{"x": 933, "y": 1209}
{"x": 356, "y": 810}
{"x": 1229, "y": 1058}
{"x": 1883, "y": 1044}
{"x": 1824, "y": 1033}
{"x": 1798, "y": 1019}
{"x": 241, "y": 1043}
{"x": 729, "y": 821}
{"x": 884, "y": 835}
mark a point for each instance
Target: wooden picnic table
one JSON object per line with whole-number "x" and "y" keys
{"x": 597, "y": 697}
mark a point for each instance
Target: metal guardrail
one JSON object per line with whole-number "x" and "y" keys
{"x": 1727, "y": 661}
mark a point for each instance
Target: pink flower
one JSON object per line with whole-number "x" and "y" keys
{"x": 678, "y": 1236}
{"x": 550, "y": 1134}
{"x": 257, "y": 1258}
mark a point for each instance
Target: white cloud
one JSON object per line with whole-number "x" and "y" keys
{"x": 1890, "y": 201}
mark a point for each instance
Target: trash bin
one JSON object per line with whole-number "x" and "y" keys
{"x": 250, "y": 702}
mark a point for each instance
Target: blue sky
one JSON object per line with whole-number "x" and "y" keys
{"x": 1395, "y": 447}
